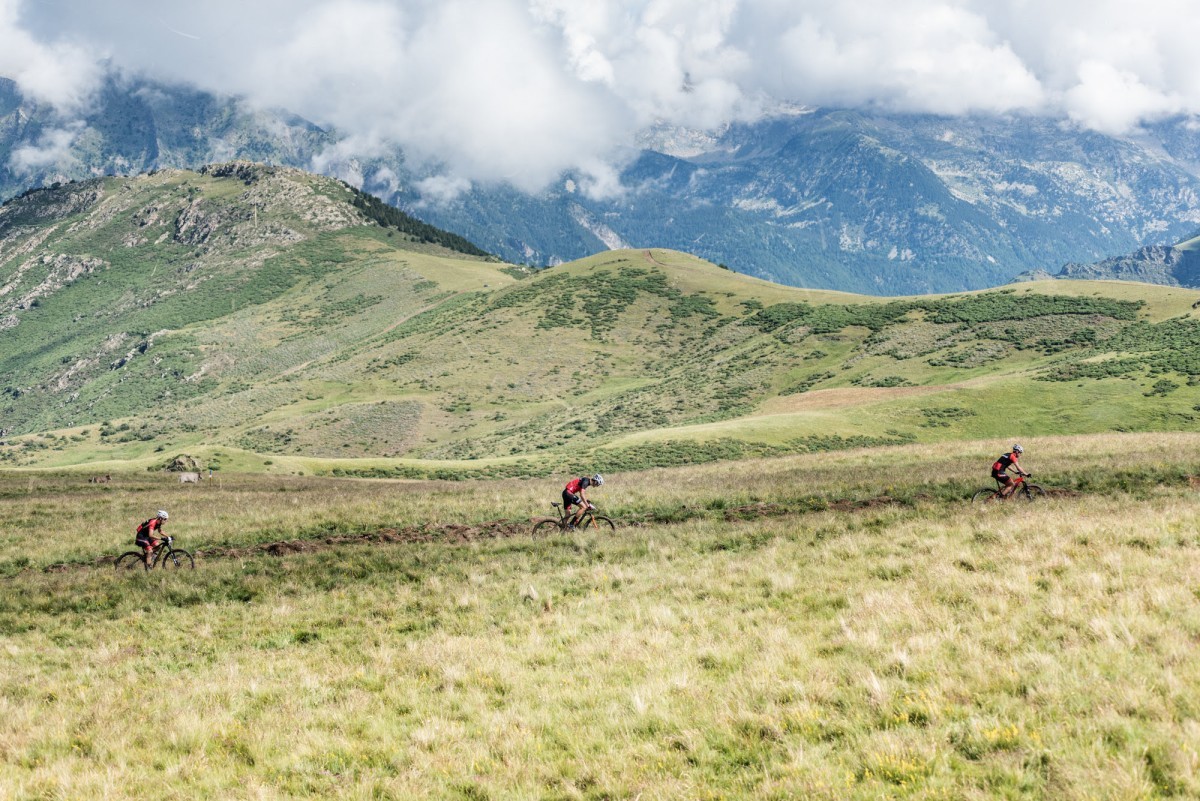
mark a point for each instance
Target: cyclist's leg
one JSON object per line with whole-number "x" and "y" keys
{"x": 1006, "y": 484}
{"x": 570, "y": 501}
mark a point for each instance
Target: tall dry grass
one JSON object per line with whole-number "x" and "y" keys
{"x": 920, "y": 650}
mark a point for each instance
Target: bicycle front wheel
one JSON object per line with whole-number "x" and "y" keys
{"x": 131, "y": 560}
{"x": 602, "y": 523}
{"x": 984, "y": 495}
{"x": 544, "y": 527}
{"x": 177, "y": 559}
{"x": 1033, "y": 492}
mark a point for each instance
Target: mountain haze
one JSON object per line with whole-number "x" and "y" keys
{"x": 824, "y": 198}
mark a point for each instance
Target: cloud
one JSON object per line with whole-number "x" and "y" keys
{"x": 1112, "y": 101}
{"x": 61, "y": 74}
{"x": 440, "y": 188}
{"x": 522, "y": 90}
{"x": 53, "y": 149}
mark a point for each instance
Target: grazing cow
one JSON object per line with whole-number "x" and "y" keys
{"x": 189, "y": 478}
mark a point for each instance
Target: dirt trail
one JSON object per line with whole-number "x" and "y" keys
{"x": 452, "y": 533}
{"x": 460, "y": 534}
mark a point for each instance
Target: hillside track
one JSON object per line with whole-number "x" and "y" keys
{"x": 464, "y": 534}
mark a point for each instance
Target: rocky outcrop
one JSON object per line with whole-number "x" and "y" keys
{"x": 1158, "y": 264}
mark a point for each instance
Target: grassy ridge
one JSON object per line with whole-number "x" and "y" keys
{"x": 255, "y": 319}
{"x": 924, "y": 649}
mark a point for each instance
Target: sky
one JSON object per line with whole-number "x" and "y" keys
{"x": 521, "y": 90}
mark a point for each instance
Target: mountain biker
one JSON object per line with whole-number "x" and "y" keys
{"x": 145, "y": 538}
{"x": 1000, "y": 470}
{"x": 573, "y": 495}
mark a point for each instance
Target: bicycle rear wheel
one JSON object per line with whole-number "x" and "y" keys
{"x": 131, "y": 560}
{"x": 543, "y": 527}
{"x": 985, "y": 495}
{"x": 177, "y": 559}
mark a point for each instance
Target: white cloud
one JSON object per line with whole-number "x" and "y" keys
{"x": 1112, "y": 101}
{"x": 61, "y": 74}
{"x": 521, "y": 90}
{"x": 52, "y": 150}
{"x": 443, "y": 188}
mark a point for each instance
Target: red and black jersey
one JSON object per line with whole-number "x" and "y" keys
{"x": 1004, "y": 462}
{"x": 577, "y": 484}
{"x": 148, "y": 529}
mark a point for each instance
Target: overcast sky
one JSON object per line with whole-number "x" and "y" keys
{"x": 520, "y": 90}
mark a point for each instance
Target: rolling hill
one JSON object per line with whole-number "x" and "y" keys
{"x": 263, "y": 318}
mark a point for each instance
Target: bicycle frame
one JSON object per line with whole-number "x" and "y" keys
{"x": 1016, "y": 485}
{"x": 587, "y": 516}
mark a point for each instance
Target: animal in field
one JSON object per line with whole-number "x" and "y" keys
{"x": 100, "y": 479}
{"x": 189, "y": 478}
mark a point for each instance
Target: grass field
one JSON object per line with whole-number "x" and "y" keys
{"x": 829, "y": 626}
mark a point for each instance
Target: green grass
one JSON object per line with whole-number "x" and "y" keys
{"x": 770, "y": 629}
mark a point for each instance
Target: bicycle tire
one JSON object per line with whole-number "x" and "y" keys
{"x": 130, "y": 560}
{"x": 542, "y": 528}
{"x": 984, "y": 495}
{"x": 177, "y": 559}
{"x": 1033, "y": 492}
{"x": 599, "y": 521}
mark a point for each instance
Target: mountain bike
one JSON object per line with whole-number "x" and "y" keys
{"x": 588, "y": 519}
{"x": 166, "y": 555}
{"x": 1023, "y": 490}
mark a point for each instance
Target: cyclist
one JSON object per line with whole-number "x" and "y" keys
{"x": 573, "y": 495}
{"x": 145, "y": 538}
{"x": 1000, "y": 470}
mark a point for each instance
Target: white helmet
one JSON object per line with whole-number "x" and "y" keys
{"x": 597, "y": 479}
{"x": 162, "y": 514}
{"x": 1018, "y": 449}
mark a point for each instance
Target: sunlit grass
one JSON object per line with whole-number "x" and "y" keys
{"x": 925, "y": 649}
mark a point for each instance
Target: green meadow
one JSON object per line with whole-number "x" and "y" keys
{"x": 840, "y": 625}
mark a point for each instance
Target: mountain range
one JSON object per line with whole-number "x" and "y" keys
{"x": 270, "y": 319}
{"x": 824, "y": 198}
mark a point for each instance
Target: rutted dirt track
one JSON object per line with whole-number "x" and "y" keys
{"x": 453, "y": 533}
{"x": 458, "y": 534}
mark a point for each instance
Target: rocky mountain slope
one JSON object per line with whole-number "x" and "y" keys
{"x": 870, "y": 203}
{"x": 262, "y": 317}
{"x": 1168, "y": 265}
